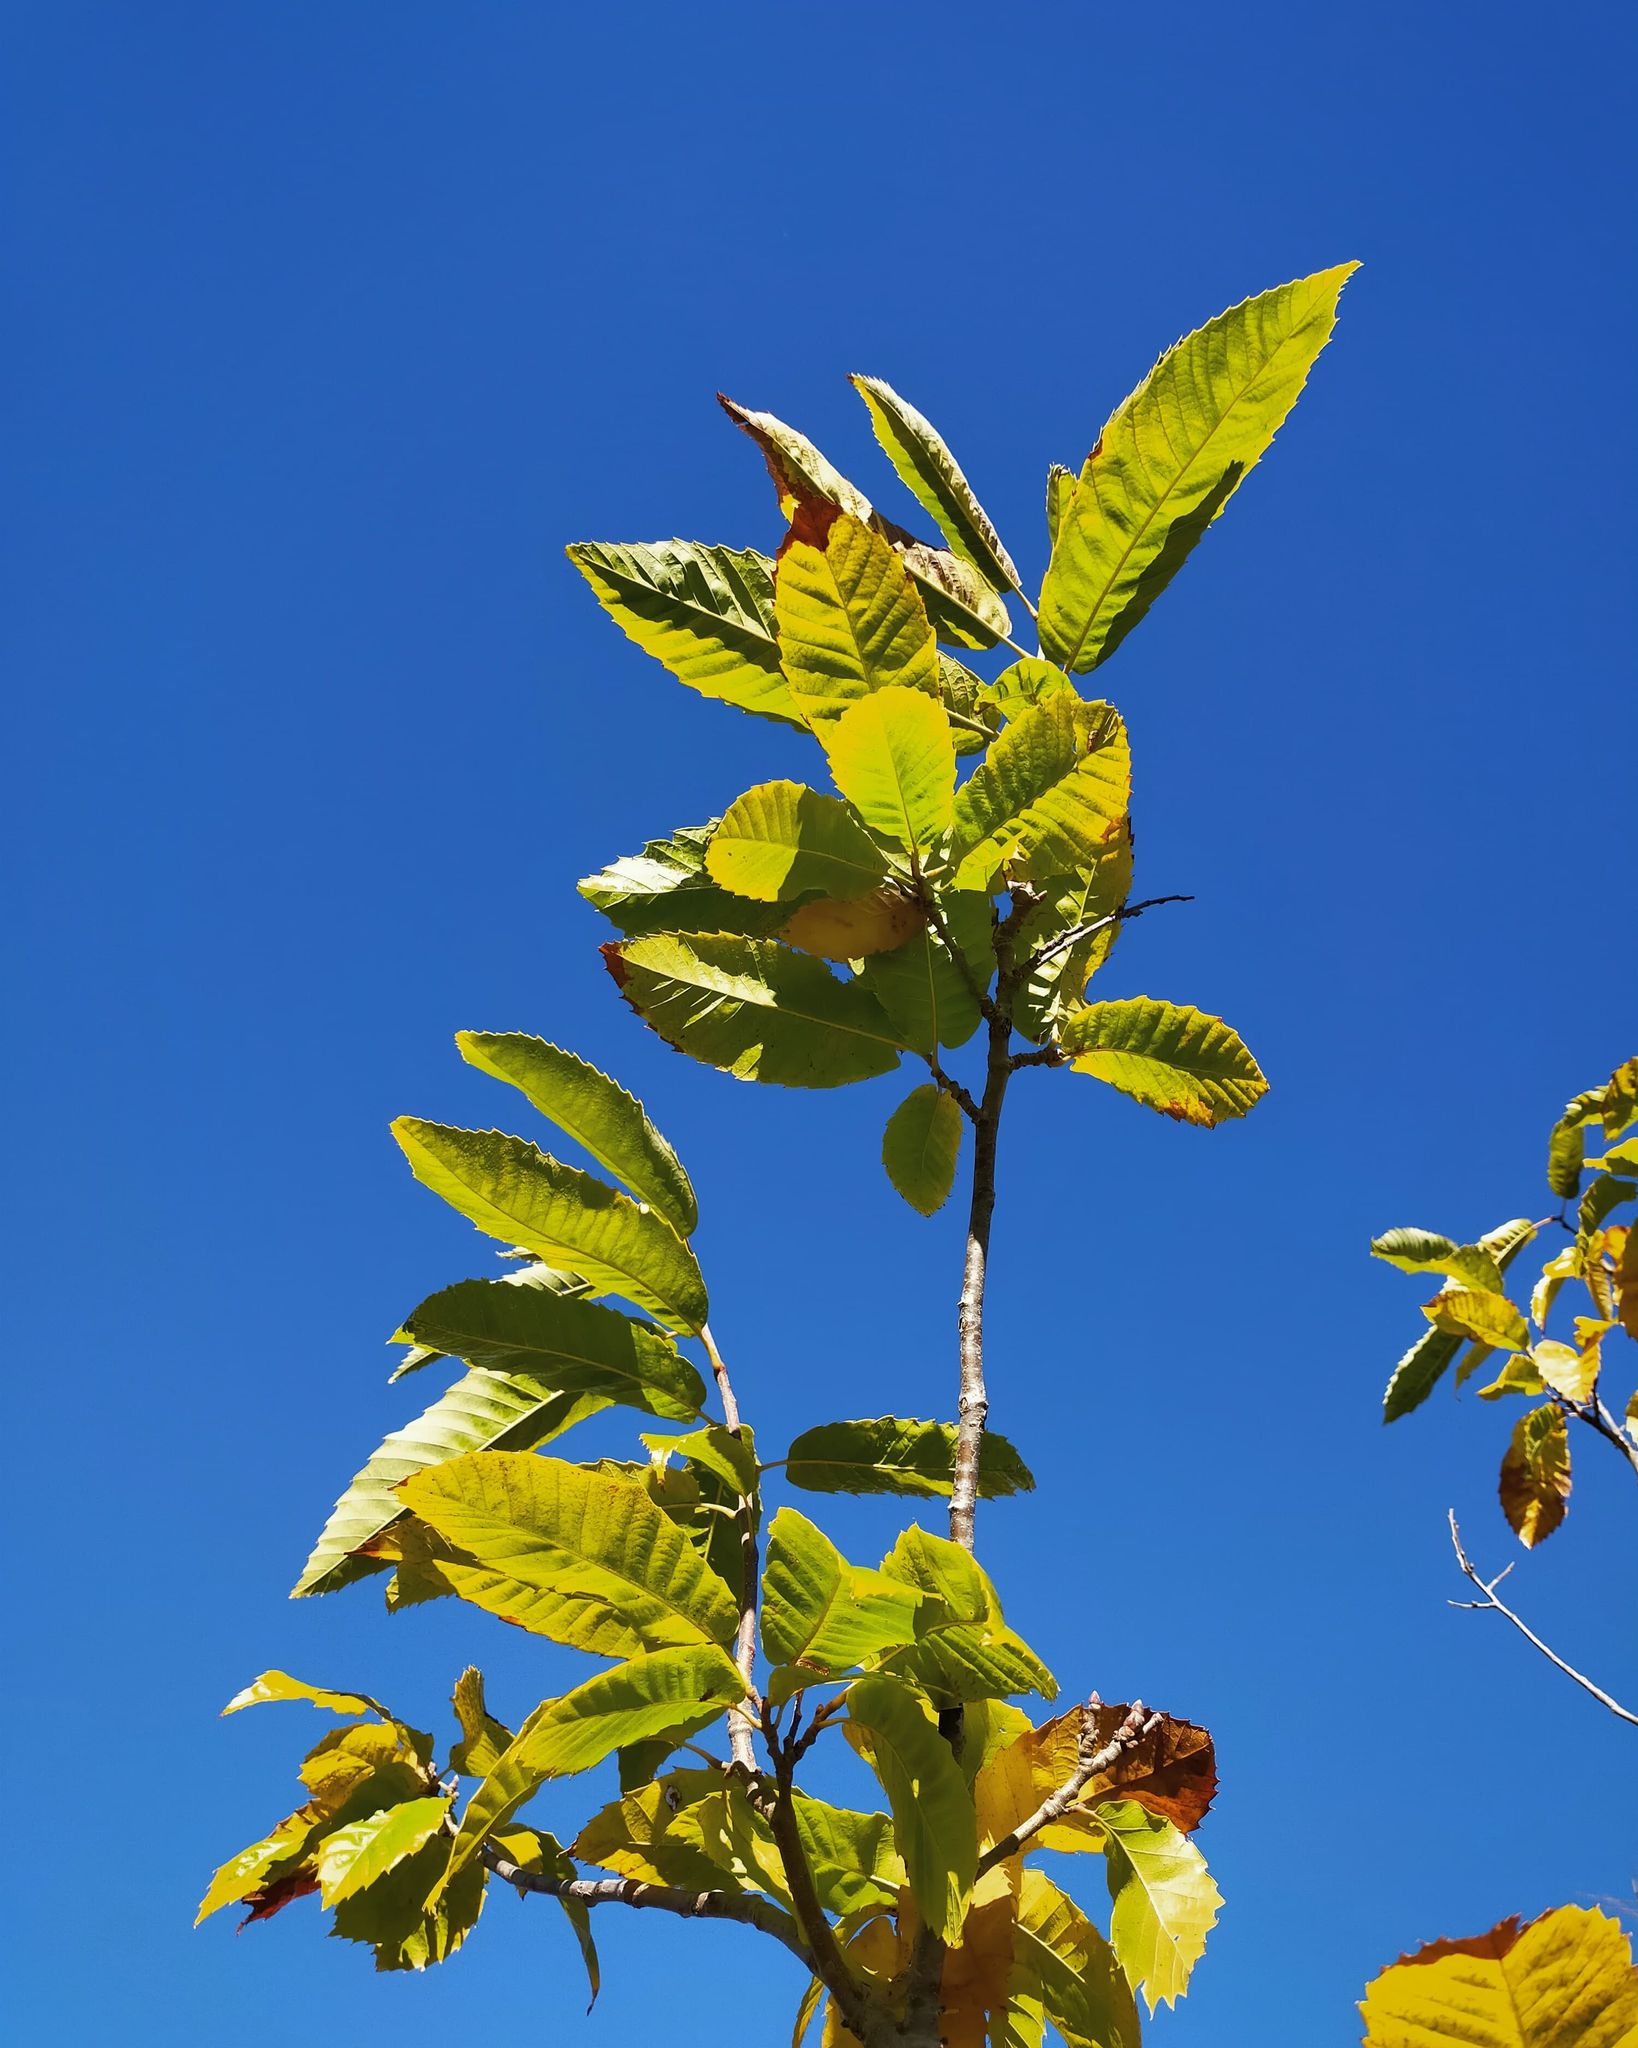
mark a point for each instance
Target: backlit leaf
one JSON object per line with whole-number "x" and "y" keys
{"x": 483, "y": 1738}
{"x": 930, "y": 994}
{"x": 706, "y": 613}
{"x": 585, "y": 1558}
{"x": 782, "y": 840}
{"x": 759, "y": 1011}
{"x": 1165, "y": 1902}
{"x": 890, "y": 1455}
{"x": 407, "y": 1917}
{"x": 595, "y": 1111}
{"x": 971, "y": 1654}
{"x": 483, "y": 1411}
{"x": 891, "y": 756}
{"x": 921, "y": 1145}
{"x": 880, "y": 922}
{"x": 1169, "y": 459}
{"x": 1171, "y": 1771}
{"x": 650, "y": 1695}
{"x": 275, "y": 1686}
{"x": 934, "y": 1824}
{"x": 1054, "y": 987}
{"x": 850, "y": 619}
{"x": 578, "y": 1347}
{"x": 1563, "y": 1981}
{"x": 636, "y": 1835}
{"x": 1535, "y": 1475}
{"x": 666, "y": 888}
{"x": 1568, "y": 1371}
{"x": 933, "y": 476}
{"x": 352, "y": 1858}
{"x": 1060, "y": 489}
{"x": 512, "y": 1190}
{"x": 1477, "y": 1313}
{"x": 1167, "y": 1055}
{"x": 1063, "y": 1960}
{"x": 1425, "y": 1251}
{"x": 1048, "y": 797}
{"x": 823, "y": 1613}
{"x": 1425, "y": 1363}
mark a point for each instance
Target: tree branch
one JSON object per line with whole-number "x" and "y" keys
{"x": 742, "y": 1717}
{"x": 1065, "y": 940}
{"x": 1090, "y": 1763}
{"x": 1488, "y": 1589}
{"x": 744, "y": 1907}
{"x": 973, "y": 1405}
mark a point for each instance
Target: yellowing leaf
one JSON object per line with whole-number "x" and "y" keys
{"x": 1563, "y": 1981}
{"x": 1170, "y": 458}
{"x": 279, "y": 1685}
{"x": 921, "y": 1145}
{"x": 352, "y": 1858}
{"x": 1566, "y": 1370}
{"x": 892, "y": 757}
{"x": 1062, "y": 1960}
{"x": 585, "y": 1558}
{"x": 782, "y": 840}
{"x": 595, "y": 1111}
{"x": 934, "y": 1823}
{"x": 1535, "y": 1475}
{"x": 850, "y": 619}
{"x": 1517, "y": 1376}
{"x": 483, "y": 1738}
{"x": 759, "y": 1011}
{"x": 666, "y": 888}
{"x": 1167, "y": 1055}
{"x": 878, "y": 923}
{"x": 705, "y": 613}
{"x": 1477, "y": 1313}
{"x": 889, "y": 1455}
{"x": 929, "y": 992}
{"x": 515, "y": 1192}
{"x": 1165, "y": 1901}
{"x": 932, "y": 474}
{"x": 1049, "y": 796}
{"x": 820, "y": 1611}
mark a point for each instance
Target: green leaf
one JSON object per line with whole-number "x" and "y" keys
{"x": 252, "y": 1868}
{"x": 1062, "y": 1959}
{"x": 1049, "y": 796}
{"x": 893, "y": 759}
{"x": 1055, "y": 986}
{"x": 352, "y": 1858}
{"x": 650, "y": 1695}
{"x": 934, "y": 478}
{"x": 782, "y": 840}
{"x": 1167, "y": 1055}
{"x": 729, "y": 1454}
{"x": 889, "y": 1455}
{"x": 929, "y": 1000}
{"x": 279, "y": 1686}
{"x": 407, "y": 1917}
{"x": 1477, "y": 1313}
{"x": 966, "y": 612}
{"x": 967, "y": 1652}
{"x": 852, "y": 1855}
{"x": 972, "y": 723}
{"x": 575, "y": 1346}
{"x": 823, "y": 1613}
{"x": 512, "y": 1190}
{"x": 1424, "y": 1364}
{"x": 1535, "y": 1475}
{"x": 1027, "y": 683}
{"x": 850, "y": 619}
{"x": 1425, "y": 1251}
{"x": 1165, "y": 1903}
{"x": 584, "y": 1558}
{"x": 705, "y": 613}
{"x": 921, "y": 1145}
{"x": 483, "y": 1738}
{"x": 934, "y": 1823}
{"x": 1060, "y": 492}
{"x": 759, "y": 1011}
{"x": 1566, "y": 1143}
{"x": 666, "y": 888}
{"x": 483, "y": 1411}
{"x": 1171, "y": 457}
{"x": 542, "y": 1854}
{"x": 595, "y": 1111}
{"x": 636, "y": 1835}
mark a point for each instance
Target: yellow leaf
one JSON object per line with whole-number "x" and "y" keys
{"x": 877, "y": 923}
{"x": 1535, "y": 1475}
{"x": 892, "y": 757}
{"x": 1564, "y": 1981}
{"x": 850, "y": 619}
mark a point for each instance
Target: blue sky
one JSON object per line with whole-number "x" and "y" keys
{"x": 330, "y": 326}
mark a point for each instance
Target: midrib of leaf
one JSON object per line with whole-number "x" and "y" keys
{"x": 746, "y": 620}
{"x": 526, "y": 1351}
{"x": 1126, "y": 552}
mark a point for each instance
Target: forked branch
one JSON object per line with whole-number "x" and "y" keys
{"x": 1490, "y": 1603}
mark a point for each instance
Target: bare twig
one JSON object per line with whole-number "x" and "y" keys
{"x": 1488, "y": 1588}
{"x": 952, "y": 1087}
{"x": 973, "y": 1401}
{"x": 742, "y": 1717}
{"x": 1065, "y": 940}
{"x": 1090, "y": 1763}
{"x": 745, "y": 1907}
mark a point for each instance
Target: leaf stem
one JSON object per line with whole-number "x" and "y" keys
{"x": 741, "y": 1717}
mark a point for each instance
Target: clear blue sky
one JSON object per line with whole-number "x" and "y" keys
{"x": 330, "y": 326}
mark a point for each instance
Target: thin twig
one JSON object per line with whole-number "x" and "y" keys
{"x": 741, "y": 1717}
{"x": 952, "y": 1087}
{"x": 1067, "y": 939}
{"x": 1488, "y": 1588}
{"x": 1090, "y": 1763}
{"x": 745, "y": 1907}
